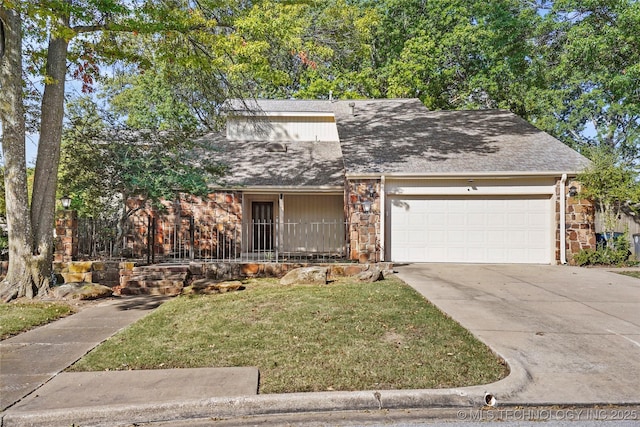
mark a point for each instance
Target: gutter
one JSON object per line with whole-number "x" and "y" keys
{"x": 281, "y": 189}
{"x": 461, "y": 175}
{"x": 563, "y": 220}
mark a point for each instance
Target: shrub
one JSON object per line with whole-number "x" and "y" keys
{"x": 614, "y": 252}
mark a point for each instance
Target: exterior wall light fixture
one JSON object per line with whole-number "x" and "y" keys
{"x": 366, "y": 206}
{"x": 65, "y": 201}
{"x": 371, "y": 190}
{"x": 573, "y": 191}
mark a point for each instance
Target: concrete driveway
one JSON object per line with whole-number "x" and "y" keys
{"x": 572, "y": 333}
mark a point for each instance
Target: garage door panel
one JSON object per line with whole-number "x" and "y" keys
{"x": 476, "y": 238}
{"x": 458, "y": 229}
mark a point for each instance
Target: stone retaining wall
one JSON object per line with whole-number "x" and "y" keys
{"x": 104, "y": 272}
{"x": 117, "y": 274}
{"x": 228, "y": 271}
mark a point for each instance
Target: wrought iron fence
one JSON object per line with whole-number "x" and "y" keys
{"x": 183, "y": 239}
{"x": 97, "y": 238}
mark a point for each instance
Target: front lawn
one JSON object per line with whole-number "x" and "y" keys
{"x": 343, "y": 336}
{"x": 635, "y": 274}
{"x": 22, "y": 315}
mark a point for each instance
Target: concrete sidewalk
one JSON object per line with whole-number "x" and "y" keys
{"x": 29, "y": 360}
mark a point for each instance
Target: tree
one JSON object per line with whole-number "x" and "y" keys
{"x": 104, "y": 165}
{"x": 19, "y": 280}
{"x": 612, "y": 183}
{"x": 81, "y": 32}
{"x": 592, "y": 52}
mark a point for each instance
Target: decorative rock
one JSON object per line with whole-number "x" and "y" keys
{"x": 81, "y": 291}
{"x": 306, "y": 276}
{"x": 250, "y": 270}
{"x": 373, "y": 274}
{"x": 77, "y": 277}
{"x": 208, "y": 287}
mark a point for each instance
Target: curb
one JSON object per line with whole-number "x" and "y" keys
{"x": 271, "y": 404}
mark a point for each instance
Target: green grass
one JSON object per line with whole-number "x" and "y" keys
{"x": 20, "y": 316}
{"x": 635, "y": 274}
{"x": 344, "y": 336}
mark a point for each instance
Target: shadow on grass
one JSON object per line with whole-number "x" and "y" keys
{"x": 141, "y": 302}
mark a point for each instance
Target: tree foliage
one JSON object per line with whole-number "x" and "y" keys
{"x": 591, "y": 53}
{"x": 104, "y": 163}
{"x": 612, "y": 183}
{"x": 84, "y": 34}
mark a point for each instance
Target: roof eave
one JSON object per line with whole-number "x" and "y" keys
{"x": 281, "y": 188}
{"x": 450, "y": 175}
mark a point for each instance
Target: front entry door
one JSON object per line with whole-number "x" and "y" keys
{"x": 262, "y": 215}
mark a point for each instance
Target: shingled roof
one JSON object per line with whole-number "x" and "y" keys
{"x": 265, "y": 164}
{"x": 402, "y": 137}
{"x": 392, "y": 137}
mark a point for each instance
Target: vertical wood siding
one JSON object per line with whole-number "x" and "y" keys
{"x": 323, "y": 217}
{"x": 321, "y": 128}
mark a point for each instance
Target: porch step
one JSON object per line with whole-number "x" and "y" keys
{"x": 157, "y": 280}
{"x": 156, "y": 275}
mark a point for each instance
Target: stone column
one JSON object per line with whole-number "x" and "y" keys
{"x": 363, "y": 212}
{"x": 66, "y": 245}
{"x": 580, "y": 223}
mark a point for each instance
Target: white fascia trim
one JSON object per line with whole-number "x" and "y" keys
{"x": 458, "y": 175}
{"x": 258, "y": 114}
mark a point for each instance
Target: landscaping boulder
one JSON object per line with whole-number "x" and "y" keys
{"x": 306, "y": 276}
{"x": 209, "y": 286}
{"x": 81, "y": 291}
{"x": 372, "y": 274}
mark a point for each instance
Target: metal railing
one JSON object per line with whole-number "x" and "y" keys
{"x": 185, "y": 239}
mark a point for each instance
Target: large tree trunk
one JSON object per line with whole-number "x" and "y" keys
{"x": 30, "y": 231}
{"x": 18, "y": 282}
{"x": 43, "y": 202}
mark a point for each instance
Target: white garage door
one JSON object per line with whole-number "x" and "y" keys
{"x": 473, "y": 230}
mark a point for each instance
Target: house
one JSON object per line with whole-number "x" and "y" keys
{"x": 389, "y": 180}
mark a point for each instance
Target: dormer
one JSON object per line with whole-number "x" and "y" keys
{"x": 281, "y": 121}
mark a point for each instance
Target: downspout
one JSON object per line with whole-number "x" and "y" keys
{"x": 280, "y": 233}
{"x": 382, "y": 216}
{"x": 563, "y": 220}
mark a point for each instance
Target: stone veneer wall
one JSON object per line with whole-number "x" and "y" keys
{"x": 580, "y": 225}
{"x": 218, "y": 215}
{"x": 364, "y": 228}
